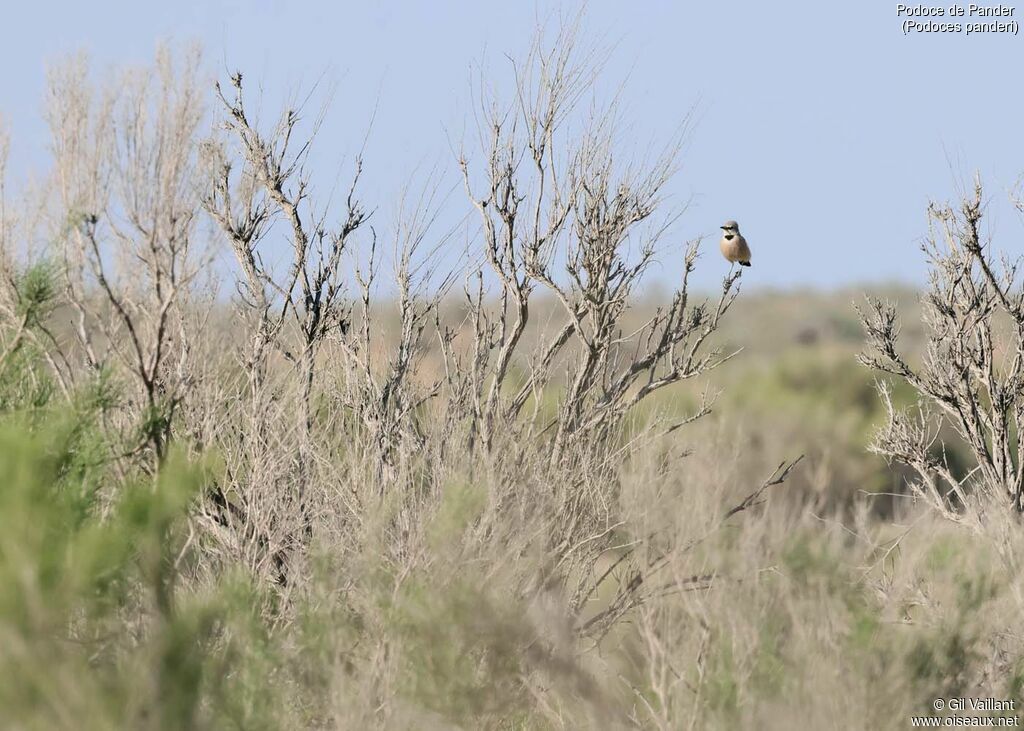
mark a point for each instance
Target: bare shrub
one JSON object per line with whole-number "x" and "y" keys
{"x": 568, "y": 215}
{"x": 316, "y": 318}
{"x": 125, "y": 218}
{"x": 564, "y": 210}
{"x": 256, "y": 179}
{"x": 971, "y": 377}
{"x": 970, "y": 384}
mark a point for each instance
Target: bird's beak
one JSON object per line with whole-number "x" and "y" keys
{"x": 724, "y": 228}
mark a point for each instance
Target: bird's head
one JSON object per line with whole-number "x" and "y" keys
{"x": 731, "y": 227}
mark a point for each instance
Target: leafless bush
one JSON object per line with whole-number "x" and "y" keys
{"x": 564, "y": 209}
{"x": 8, "y": 275}
{"x": 257, "y": 179}
{"x": 385, "y": 397}
{"x": 125, "y": 217}
{"x": 273, "y": 182}
{"x": 972, "y": 373}
{"x": 567, "y": 214}
{"x": 317, "y": 317}
{"x": 562, "y": 213}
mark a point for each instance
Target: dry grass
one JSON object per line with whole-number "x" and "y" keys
{"x": 519, "y": 496}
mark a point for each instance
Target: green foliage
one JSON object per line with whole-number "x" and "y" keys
{"x": 463, "y": 652}
{"x": 461, "y": 503}
{"x": 827, "y": 388}
{"x": 939, "y": 661}
{"x": 723, "y": 692}
{"x": 37, "y": 292}
{"x": 23, "y": 385}
{"x": 95, "y": 628}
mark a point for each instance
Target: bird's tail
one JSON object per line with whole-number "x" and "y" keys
{"x": 744, "y": 263}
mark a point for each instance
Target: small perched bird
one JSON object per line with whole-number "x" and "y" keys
{"x": 733, "y": 245}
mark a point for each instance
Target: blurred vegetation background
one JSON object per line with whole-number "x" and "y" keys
{"x": 859, "y": 609}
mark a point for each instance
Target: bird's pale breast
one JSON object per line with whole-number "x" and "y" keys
{"x": 735, "y": 249}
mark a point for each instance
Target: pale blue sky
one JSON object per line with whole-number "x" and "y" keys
{"x": 822, "y": 129}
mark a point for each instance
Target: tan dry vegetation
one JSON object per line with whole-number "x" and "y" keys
{"x": 515, "y": 496}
